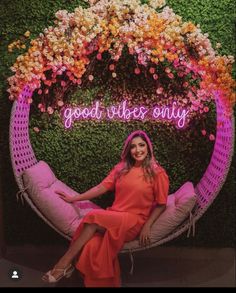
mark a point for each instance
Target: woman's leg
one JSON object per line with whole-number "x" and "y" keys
{"x": 86, "y": 234}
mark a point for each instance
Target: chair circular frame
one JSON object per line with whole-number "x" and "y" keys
{"x": 23, "y": 157}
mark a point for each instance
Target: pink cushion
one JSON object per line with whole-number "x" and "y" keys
{"x": 63, "y": 215}
{"x": 40, "y": 175}
{"x": 41, "y": 185}
{"x": 185, "y": 197}
{"x": 178, "y": 208}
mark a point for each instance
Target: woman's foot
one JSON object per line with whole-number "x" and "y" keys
{"x": 56, "y": 274}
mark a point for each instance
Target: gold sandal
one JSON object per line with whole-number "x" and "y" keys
{"x": 67, "y": 272}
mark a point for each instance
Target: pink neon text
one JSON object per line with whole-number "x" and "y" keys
{"x": 171, "y": 113}
{"x": 77, "y": 113}
{"x": 121, "y": 111}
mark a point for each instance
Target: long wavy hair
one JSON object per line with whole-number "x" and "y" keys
{"x": 149, "y": 164}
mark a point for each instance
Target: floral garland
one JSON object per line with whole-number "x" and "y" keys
{"x": 174, "y": 56}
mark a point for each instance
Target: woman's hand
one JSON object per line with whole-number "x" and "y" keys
{"x": 144, "y": 237}
{"x": 64, "y": 196}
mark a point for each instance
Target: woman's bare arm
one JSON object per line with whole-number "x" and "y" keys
{"x": 144, "y": 237}
{"x": 89, "y": 194}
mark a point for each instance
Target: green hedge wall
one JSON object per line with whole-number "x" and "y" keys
{"x": 81, "y": 157}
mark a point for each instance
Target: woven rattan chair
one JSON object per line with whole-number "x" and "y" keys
{"x": 23, "y": 157}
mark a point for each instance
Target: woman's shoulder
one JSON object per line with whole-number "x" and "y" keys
{"x": 119, "y": 166}
{"x": 158, "y": 169}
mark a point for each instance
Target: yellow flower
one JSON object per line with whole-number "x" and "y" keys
{"x": 27, "y": 34}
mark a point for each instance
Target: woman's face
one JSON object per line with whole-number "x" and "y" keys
{"x": 138, "y": 150}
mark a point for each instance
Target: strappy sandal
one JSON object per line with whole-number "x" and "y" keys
{"x": 67, "y": 272}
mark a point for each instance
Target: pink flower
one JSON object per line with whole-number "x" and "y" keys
{"x": 152, "y": 70}
{"x": 117, "y": 57}
{"x": 171, "y": 75}
{"x": 206, "y": 109}
{"x": 211, "y": 137}
{"x": 60, "y": 103}
{"x": 99, "y": 56}
{"x": 40, "y": 92}
{"x": 48, "y": 82}
{"x": 111, "y": 67}
{"x": 176, "y": 63}
{"x": 194, "y": 108}
{"x": 50, "y": 110}
{"x": 137, "y": 70}
{"x": 185, "y": 84}
{"x": 36, "y": 129}
{"x": 91, "y": 77}
{"x": 63, "y": 83}
{"x": 204, "y": 132}
{"x": 155, "y": 76}
{"x": 167, "y": 70}
{"x": 159, "y": 90}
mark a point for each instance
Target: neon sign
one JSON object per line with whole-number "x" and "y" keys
{"x": 122, "y": 111}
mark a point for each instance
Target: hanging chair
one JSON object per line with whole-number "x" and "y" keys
{"x": 23, "y": 157}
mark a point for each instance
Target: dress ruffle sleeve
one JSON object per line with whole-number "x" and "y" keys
{"x": 161, "y": 187}
{"x": 109, "y": 181}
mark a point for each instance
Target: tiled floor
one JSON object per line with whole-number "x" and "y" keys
{"x": 157, "y": 267}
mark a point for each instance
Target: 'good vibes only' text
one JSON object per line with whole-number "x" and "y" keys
{"x": 123, "y": 112}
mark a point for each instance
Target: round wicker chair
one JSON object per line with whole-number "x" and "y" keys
{"x": 23, "y": 157}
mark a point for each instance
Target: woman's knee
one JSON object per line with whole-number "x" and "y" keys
{"x": 90, "y": 226}
{"x": 95, "y": 227}
{"x": 100, "y": 229}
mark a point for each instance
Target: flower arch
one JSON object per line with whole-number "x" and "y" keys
{"x": 175, "y": 56}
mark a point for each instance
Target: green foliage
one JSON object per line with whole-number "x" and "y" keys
{"x": 81, "y": 157}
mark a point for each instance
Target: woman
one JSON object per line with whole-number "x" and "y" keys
{"x": 141, "y": 188}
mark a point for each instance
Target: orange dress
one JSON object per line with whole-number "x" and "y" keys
{"x": 134, "y": 199}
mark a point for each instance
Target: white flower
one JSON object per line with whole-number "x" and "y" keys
{"x": 157, "y": 3}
